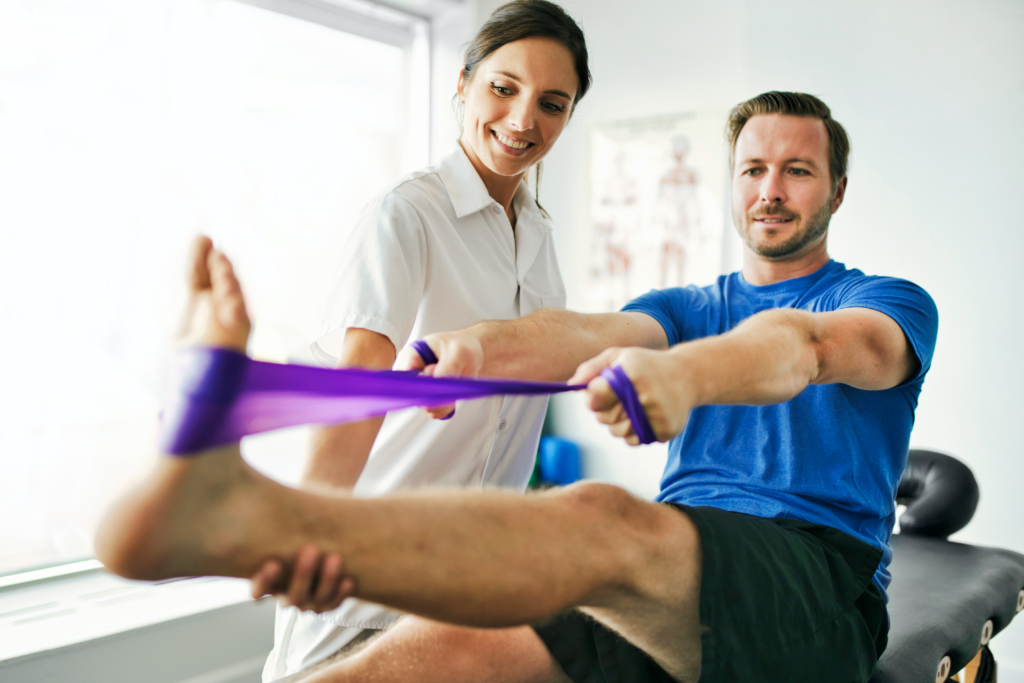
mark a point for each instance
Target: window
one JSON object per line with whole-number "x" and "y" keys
{"x": 127, "y": 127}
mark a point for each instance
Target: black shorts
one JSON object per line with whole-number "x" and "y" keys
{"x": 783, "y": 600}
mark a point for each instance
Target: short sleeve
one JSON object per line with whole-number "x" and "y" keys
{"x": 908, "y": 304}
{"x": 668, "y": 306}
{"x": 380, "y": 279}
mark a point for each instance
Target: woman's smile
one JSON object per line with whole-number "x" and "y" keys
{"x": 511, "y": 145}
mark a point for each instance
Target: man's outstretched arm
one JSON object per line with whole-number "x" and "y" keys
{"x": 769, "y": 358}
{"x": 548, "y": 344}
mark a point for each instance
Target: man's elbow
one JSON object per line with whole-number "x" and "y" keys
{"x": 875, "y": 368}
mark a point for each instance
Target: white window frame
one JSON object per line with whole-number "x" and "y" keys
{"x": 368, "y": 19}
{"x": 384, "y": 23}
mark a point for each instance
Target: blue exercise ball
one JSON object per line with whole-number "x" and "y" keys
{"x": 559, "y": 461}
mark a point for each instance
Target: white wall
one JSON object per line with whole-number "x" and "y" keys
{"x": 450, "y": 31}
{"x": 932, "y": 93}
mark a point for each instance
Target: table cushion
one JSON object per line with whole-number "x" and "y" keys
{"x": 941, "y": 595}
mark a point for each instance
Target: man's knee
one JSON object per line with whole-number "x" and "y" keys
{"x": 652, "y": 541}
{"x": 619, "y": 511}
{"x": 604, "y": 499}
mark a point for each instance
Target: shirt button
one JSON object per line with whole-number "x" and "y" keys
{"x": 497, "y": 209}
{"x": 502, "y": 424}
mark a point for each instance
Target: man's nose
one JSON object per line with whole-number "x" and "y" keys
{"x": 772, "y": 190}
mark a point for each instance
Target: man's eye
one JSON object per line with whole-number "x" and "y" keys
{"x": 752, "y": 171}
{"x": 799, "y": 171}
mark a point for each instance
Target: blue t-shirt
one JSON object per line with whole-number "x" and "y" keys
{"x": 833, "y": 454}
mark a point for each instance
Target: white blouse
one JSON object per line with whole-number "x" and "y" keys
{"x": 435, "y": 253}
{"x": 432, "y": 253}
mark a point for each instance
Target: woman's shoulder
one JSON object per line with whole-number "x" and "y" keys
{"x": 423, "y": 185}
{"x": 412, "y": 203}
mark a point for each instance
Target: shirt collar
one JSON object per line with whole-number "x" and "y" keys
{"x": 465, "y": 189}
{"x": 797, "y": 284}
{"x": 527, "y": 210}
{"x": 468, "y": 194}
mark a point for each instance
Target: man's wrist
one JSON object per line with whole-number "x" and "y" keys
{"x": 494, "y": 343}
{"x": 686, "y": 370}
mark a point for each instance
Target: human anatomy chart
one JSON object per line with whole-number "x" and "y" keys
{"x": 657, "y": 204}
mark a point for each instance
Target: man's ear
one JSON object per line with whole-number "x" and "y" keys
{"x": 840, "y": 194}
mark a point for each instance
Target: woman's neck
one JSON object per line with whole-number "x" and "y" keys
{"x": 502, "y": 188}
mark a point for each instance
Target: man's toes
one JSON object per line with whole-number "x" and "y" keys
{"x": 198, "y": 270}
{"x": 228, "y": 302}
{"x": 222, "y": 277}
{"x": 231, "y": 316}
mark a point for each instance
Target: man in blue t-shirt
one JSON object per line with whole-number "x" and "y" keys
{"x": 788, "y": 393}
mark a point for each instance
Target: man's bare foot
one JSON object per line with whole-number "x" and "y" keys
{"x": 215, "y": 314}
{"x": 193, "y": 514}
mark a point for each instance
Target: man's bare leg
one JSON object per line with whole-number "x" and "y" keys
{"x": 477, "y": 559}
{"x": 423, "y": 651}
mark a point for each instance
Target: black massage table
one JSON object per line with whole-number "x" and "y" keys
{"x": 947, "y": 599}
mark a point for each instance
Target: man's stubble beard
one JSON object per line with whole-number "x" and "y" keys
{"x": 816, "y": 228}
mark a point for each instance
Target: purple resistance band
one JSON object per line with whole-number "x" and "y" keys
{"x": 428, "y": 357}
{"x": 623, "y": 387}
{"x": 221, "y": 395}
{"x": 427, "y": 354}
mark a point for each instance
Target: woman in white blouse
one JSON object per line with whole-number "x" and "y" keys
{"x": 441, "y": 249}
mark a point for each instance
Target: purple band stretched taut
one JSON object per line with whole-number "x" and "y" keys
{"x": 626, "y": 392}
{"x": 220, "y": 395}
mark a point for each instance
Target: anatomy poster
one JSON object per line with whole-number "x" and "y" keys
{"x": 657, "y": 205}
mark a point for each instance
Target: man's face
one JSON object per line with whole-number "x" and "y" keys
{"x": 782, "y": 197}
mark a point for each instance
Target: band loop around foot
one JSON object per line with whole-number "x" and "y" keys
{"x": 205, "y": 384}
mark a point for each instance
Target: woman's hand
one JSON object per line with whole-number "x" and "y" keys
{"x": 317, "y": 582}
{"x": 459, "y": 354}
{"x": 661, "y": 384}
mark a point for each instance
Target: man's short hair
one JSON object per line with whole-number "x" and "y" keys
{"x": 792, "y": 104}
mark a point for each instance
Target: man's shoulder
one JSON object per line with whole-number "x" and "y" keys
{"x": 843, "y": 283}
{"x": 906, "y": 302}
{"x": 688, "y": 295}
{"x": 685, "y": 313}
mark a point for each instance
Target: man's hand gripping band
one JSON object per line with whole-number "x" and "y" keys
{"x": 624, "y": 390}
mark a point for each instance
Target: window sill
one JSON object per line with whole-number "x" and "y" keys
{"x": 55, "y": 614}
